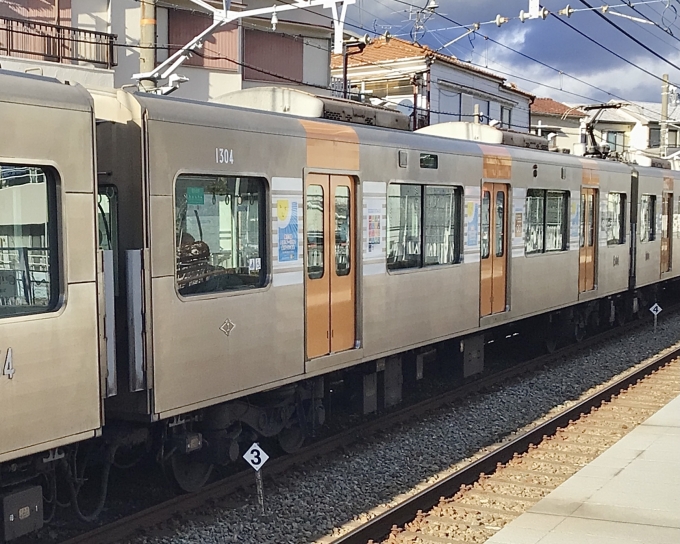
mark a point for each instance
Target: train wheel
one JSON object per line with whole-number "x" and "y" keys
{"x": 291, "y": 439}
{"x": 189, "y": 474}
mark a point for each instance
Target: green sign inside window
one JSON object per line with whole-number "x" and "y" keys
{"x": 195, "y": 196}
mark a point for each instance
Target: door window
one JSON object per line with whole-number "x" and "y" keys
{"x": 486, "y": 225}
{"x": 500, "y": 223}
{"x": 343, "y": 239}
{"x": 315, "y": 224}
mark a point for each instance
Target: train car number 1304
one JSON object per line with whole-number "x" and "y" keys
{"x": 224, "y": 156}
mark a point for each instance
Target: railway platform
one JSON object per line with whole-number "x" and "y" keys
{"x": 629, "y": 494}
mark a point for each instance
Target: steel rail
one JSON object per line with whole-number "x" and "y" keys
{"x": 379, "y": 527}
{"x": 126, "y": 526}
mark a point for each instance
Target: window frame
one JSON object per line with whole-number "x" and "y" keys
{"x": 57, "y": 293}
{"x": 651, "y": 225}
{"x": 265, "y": 236}
{"x": 459, "y": 195}
{"x": 622, "y": 219}
{"x": 544, "y": 193}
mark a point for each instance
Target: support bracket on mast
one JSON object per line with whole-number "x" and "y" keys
{"x": 164, "y": 77}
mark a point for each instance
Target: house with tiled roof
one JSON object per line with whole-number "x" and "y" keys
{"x": 565, "y": 124}
{"x": 401, "y": 74}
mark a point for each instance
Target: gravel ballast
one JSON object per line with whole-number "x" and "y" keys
{"x": 319, "y": 498}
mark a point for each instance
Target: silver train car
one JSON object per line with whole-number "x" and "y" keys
{"x": 186, "y": 276}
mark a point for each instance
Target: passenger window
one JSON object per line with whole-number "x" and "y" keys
{"x": 500, "y": 223}
{"x": 404, "y": 227}
{"x": 442, "y": 225}
{"x": 486, "y": 225}
{"x": 315, "y": 230}
{"x": 615, "y": 221}
{"x": 29, "y": 272}
{"x": 647, "y": 218}
{"x": 547, "y": 221}
{"x": 343, "y": 240}
{"x": 220, "y": 224}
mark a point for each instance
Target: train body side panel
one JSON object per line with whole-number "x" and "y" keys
{"x": 208, "y": 346}
{"x": 53, "y": 396}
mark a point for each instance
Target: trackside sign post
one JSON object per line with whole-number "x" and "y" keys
{"x": 656, "y": 310}
{"x": 256, "y": 458}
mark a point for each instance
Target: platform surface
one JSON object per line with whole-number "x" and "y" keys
{"x": 629, "y": 494}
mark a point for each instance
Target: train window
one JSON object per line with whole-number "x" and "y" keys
{"x": 29, "y": 281}
{"x": 547, "y": 221}
{"x": 428, "y": 160}
{"x": 486, "y": 225}
{"x": 315, "y": 229}
{"x": 343, "y": 240}
{"x": 500, "y": 223}
{"x": 615, "y": 220}
{"x": 647, "y": 218}
{"x": 220, "y": 226}
{"x": 404, "y": 226}
{"x": 442, "y": 225}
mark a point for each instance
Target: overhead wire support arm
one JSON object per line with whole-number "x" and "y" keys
{"x": 166, "y": 70}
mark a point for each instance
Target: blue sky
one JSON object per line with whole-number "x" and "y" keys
{"x": 602, "y": 76}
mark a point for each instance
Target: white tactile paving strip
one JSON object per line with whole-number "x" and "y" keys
{"x": 628, "y": 495}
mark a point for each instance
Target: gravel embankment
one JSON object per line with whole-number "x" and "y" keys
{"x": 315, "y": 500}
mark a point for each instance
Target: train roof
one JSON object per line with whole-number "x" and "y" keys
{"x": 211, "y": 114}
{"x": 35, "y": 90}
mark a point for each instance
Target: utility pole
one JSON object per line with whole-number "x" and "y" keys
{"x": 147, "y": 41}
{"x": 664, "y": 116}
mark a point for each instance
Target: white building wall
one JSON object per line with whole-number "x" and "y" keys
{"x": 450, "y": 85}
{"x": 84, "y": 75}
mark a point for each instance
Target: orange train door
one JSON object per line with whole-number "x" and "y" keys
{"x": 666, "y": 230}
{"x": 588, "y": 240}
{"x": 493, "y": 284}
{"x": 331, "y": 267}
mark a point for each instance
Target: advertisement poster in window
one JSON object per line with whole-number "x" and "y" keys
{"x": 287, "y": 215}
{"x": 472, "y": 217}
{"x": 374, "y": 226}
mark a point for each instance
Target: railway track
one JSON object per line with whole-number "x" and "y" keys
{"x": 128, "y": 526}
{"x": 477, "y": 501}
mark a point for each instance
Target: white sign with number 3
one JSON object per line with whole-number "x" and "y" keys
{"x": 255, "y": 456}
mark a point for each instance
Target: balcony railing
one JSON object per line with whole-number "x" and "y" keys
{"x": 55, "y": 43}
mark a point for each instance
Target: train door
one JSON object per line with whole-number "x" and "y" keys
{"x": 666, "y": 231}
{"x": 330, "y": 276}
{"x": 493, "y": 283}
{"x": 588, "y": 240}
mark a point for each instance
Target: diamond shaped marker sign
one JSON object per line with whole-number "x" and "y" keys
{"x": 656, "y": 309}
{"x": 255, "y": 456}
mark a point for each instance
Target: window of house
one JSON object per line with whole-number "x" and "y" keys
{"x": 647, "y": 218}
{"x": 615, "y": 139}
{"x": 29, "y": 271}
{"x": 219, "y": 51}
{"x": 654, "y": 137}
{"x": 220, "y": 226}
{"x": 506, "y": 117}
{"x": 672, "y": 138}
{"x": 272, "y": 57}
{"x": 423, "y": 225}
{"x": 547, "y": 221}
{"x": 615, "y": 219}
